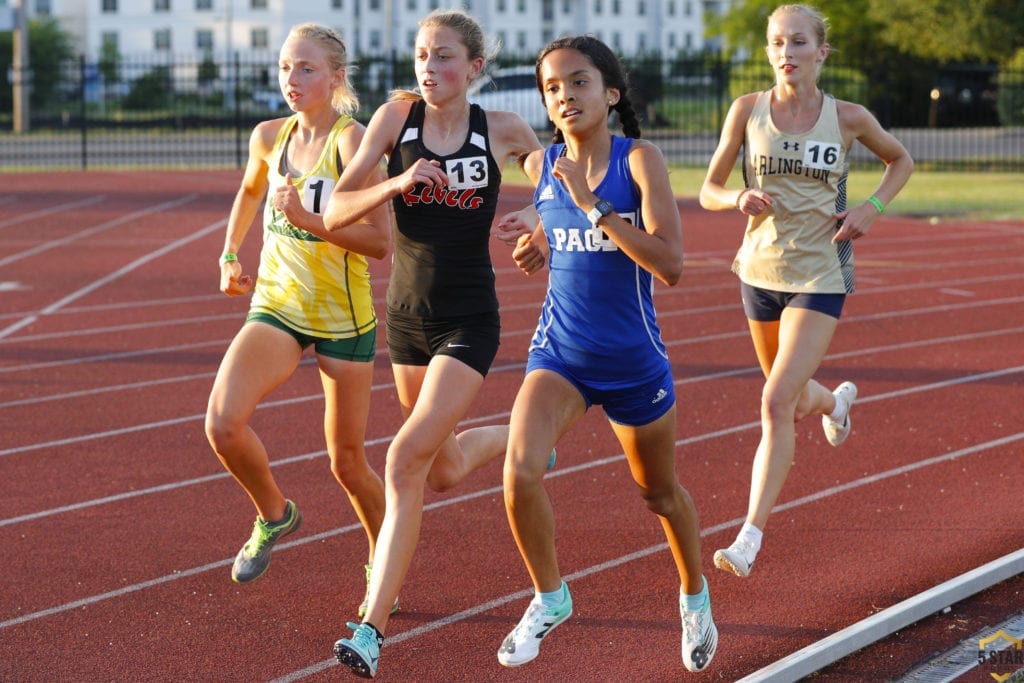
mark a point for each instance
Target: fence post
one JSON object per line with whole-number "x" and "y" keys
{"x": 239, "y": 157}
{"x": 83, "y": 124}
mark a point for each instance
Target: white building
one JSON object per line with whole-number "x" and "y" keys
{"x": 253, "y": 28}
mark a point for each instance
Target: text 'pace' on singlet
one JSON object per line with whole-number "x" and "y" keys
{"x": 598, "y": 315}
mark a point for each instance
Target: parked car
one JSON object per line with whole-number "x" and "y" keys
{"x": 512, "y": 89}
{"x": 964, "y": 96}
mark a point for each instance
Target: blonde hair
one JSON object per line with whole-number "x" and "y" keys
{"x": 470, "y": 34}
{"x": 818, "y": 21}
{"x": 344, "y": 99}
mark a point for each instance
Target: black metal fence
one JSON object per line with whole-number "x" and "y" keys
{"x": 192, "y": 112}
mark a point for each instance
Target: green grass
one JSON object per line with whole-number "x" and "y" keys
{"x": 940, "y": 194}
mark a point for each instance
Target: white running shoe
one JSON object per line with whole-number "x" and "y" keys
{"x": 737, "y": 558}
{"x": 522, "y": 645}
{"x": 700, "y": 636}
{"x": 836, "y": 432}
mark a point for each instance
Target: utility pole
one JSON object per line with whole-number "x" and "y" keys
{"x": 21, "y": 76}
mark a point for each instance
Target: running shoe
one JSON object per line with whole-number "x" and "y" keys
{"x": 836, "y": 432}
{"x": 552, "y": 458}
{"x": 700, "y": 636}
{"x": 522, "y": 645}
{"x": 361, "y": 653}
{"x": 366, "y": 597}
{"x": 254, "y": 557}
{"x": 737, "y": 558}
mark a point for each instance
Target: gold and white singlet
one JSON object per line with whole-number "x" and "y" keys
{"x": 789, "y": 247}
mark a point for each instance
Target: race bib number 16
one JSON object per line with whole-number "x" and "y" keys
{"x": 824, "y": 155}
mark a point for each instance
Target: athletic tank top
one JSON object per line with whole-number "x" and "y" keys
{"x": 598, "y": 315}
{"x": 788, "y": 248}
{"x": 441, "y": 264}
{"x": 311, "y": 285}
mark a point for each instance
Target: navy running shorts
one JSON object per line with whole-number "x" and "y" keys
{"x": 766, "y": 305}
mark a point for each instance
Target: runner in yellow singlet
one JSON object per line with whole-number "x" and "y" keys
{"x": 312, "y": 289}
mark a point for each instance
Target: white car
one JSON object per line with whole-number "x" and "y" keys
{"x": 512, "y": 89}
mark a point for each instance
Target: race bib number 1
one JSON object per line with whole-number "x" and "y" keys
{"x": 316, "y": 193}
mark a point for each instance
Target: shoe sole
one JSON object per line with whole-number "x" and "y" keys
{"x": 723, "y": 562}
{"x": 353, "y": 661}
{"x": 841, "y": 436}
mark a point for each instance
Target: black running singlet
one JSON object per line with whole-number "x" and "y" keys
{"x": 442, "y": 263}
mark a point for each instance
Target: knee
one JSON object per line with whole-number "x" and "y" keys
{"x": 222, "y": 432}
{"x": 442, "y": 477}
{"x": 519, "y": 480}
{"x": 347, "y": 463}
{"x": 662, "y": 502}
{"x": 777, "y": 407}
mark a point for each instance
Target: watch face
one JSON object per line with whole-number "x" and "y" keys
{"x": 605, "y": 207}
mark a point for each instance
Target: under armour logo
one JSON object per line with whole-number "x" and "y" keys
{"x": 787, "y": 143}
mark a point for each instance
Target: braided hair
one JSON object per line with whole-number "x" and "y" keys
{"x": 612, "y": 72}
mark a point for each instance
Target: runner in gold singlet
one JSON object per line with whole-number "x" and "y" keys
{"x": 796, "y": 261}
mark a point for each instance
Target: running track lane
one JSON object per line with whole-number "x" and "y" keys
{"x": 120, "y": 525}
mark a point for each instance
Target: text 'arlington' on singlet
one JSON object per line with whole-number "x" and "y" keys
{"x": 442, "y": 262}
{"x": 311, "y": 285}
{"x": 789, "y": 247}
{"x": 598, "y": 315}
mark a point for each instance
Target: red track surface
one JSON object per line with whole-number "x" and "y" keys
{"x": 118, "y": 525}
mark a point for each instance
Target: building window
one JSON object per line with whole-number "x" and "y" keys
{"x": 161, "y": 5}
{"x": 375, "y": 40}
{"x": 108, "y": 41}
{"x": 258, "y": 4}
{"x": 204, "y": 39}
{"x": 689, "y": 8}
{"x": 259, "y": 39}
{"x": 337, "y": 4}
{"x": 434, "y": 4}
{"x": 162, "y": 39}
{"x": 410, "y": 39}
{"x": 501, "y": 6}
{"x": 597, "y": 7}
{"x": 641, "y": 8}
{"x": 671, "y": 10}
{"x": 43, "y": 8}
{"x": 373, "y": 5}
{"x": 521, "y": 41}
{"x": 521, "y": 6}
{"x": 672, "y": 41}
{"x": 616, "y": 41}
{"x": 204, "y": 5}
{"x": 616, "y": 8}
{"x": 411, "y": 5}
{"x": 641, "y": 43}
{"x": 109, "y": 6}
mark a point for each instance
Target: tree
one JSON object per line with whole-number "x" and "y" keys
{"x": 49, "y": 50}
{"x": 952, "y": 30}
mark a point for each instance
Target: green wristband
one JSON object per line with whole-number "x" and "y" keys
{"x": 877, "y": 203}
{"x": 228, "y": 258}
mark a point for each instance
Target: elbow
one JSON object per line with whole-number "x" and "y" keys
{"x": 672, "y": 273}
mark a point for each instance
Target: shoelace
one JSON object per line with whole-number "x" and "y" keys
{"x": 532, "y": 616}
{"x": 692, "y": 621}
{"x": 363, "y": 638}
{"x": 261, "y": 533}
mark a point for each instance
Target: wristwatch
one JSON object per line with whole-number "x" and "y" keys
{"x": 600, "y": 210}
